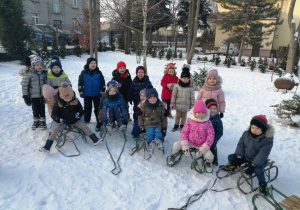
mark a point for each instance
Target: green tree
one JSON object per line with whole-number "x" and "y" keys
{"x": 169, "y": 54}
{"x": 44, "y": 53}
{"x": 12, "y": 30}
{"x": 54, "y": 50}
{"x": 62, "y": 51}
{"x": 243, "y": 22}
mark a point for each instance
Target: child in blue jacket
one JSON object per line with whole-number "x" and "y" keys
{"x": 90, "y": 85}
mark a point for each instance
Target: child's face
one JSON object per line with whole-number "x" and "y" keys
{"x": 140, "y": 74}
{"x": 152, "y": 99}
{"x": 171, "y": 72}
{"x": 143, "y": 96}
{"x": 213, "y": 110}
{"x": 185, "y": 80}
{"x": 256, "y": 130}
{"x": 56, "y": 69}
{"x": 200, "y": 115}
{"x": 111, "y": 91}
{"x": 212, "y": 81}
{"x": 92, "y": 65}
{"x": 38, "y": 66}
{"x": 122, "y": 70}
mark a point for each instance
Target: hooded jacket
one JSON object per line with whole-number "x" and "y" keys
{"x": 183, "y": 97}
{"x": 256, "y": 150}
{"x": 167, "y": 79}
{"x": 135, "y": 88}
{"x": 54, "y": 81}
{"x": 32, "y": 83}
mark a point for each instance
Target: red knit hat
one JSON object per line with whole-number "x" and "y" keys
{"x": 120, "y": 64}
{"x": 140, "y": 67}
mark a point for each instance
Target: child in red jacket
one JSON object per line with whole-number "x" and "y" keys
{"x": 168, "y": 81}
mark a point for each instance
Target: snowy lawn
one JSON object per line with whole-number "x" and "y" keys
{"x": 32, "y": 180}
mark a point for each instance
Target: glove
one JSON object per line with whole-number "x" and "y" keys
{"x": 172, "y": 105}
{"x": 163, "y": 132}
{"x": 201, "y": 151}
{"x": 186, "y": 150}
{"x": 221, "y": 115}
{"x": 27, "y": 100}
{"x": 250, "y": 170}
{"x": 81, "y": 94}
{"x": 142, "y": 130}
{"x": 236, "y": 161}
{"x": 170, "y": 86}
{"x": 77, "y": 116}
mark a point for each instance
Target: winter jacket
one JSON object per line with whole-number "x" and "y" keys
{"x": 197, "y": 132}
{"x": 214, "y": 92}
{"x": 218, "y": 127}
{"x": 167, "y": 79}
{"x": 32, "y": 83}
{"x": 153, "y": 118}
{"x": 67, "y": 110}
{"x": 183, "y": 97}
{"x": 108, "y": 104}
{"x": 135, "y": 88}
{"x": 54, "y": 81}
{"x": 256, "y": 150}
{"x": 91, "y": 83}
{"x": 125, "y": 82}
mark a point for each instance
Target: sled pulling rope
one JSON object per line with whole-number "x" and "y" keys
{"x": 62, "y": 138}
{"x": 116, "y": 164}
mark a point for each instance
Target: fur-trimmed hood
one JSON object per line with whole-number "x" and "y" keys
{"x": 206, "y": 118}
{"x": 269, "y": 133}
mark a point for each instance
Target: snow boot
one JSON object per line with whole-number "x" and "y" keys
{"x": 214, "y": 150}
{"x": 151, "y": 146}
{"x": 263, "y": 188}
{"x": 43, "y": 125}
{"x": 35, "y": 125}
{"x": 175, "y": 128}
{"x": 95, "y": 139}
{"x": 181, "y": 126}
{"x": 47, "y": 146}
{"x": 98, "y": 126}
{"x": 159, "y": 144}
{"x": 208, "y": 167}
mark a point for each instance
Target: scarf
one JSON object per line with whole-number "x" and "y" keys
{"x": 58, "y": 74}
{"x": 124, "y": 75}
{"x": 210, "y": 88}
{"x": 113, "y": 97}
{"x": 152, "y": 106}
{"x": 183, "y": 84}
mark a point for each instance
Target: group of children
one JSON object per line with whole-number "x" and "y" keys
{"x": 202, "y": 130}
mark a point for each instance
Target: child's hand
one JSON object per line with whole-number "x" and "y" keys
{"x": 142, "y": 130}
{"x": 27, "y": 100}
{"x": 172, "y": 105}
{"x": 201, "y": 151}
{"x": 250, "y": 170}
{"x": 221, "y": 115}
{"x": 186, "y": 150}
{"x": 163, "y": 131}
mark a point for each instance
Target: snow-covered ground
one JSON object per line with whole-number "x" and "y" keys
{"x": 30, "y": 179}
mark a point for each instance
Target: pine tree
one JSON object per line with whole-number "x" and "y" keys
{"x": 54, "y": 50}
{"x": 161, "y": 53}
{"x": 77, "y": 49}
{"x": 233, "y": 62}
{"x": 113, "y": 47}
{"x": 44, "y": 53}
{"x": 62, "y": 51}
{"x": 243, "y": 62}
{"x": 289, "y": 109}
{"x": 153, "y": 53}
{"x": 229, "y": 61}
{"x": 169, "y": 54}
{"x": 252, "y": 64}
{"x": 198, "y": 79}
{"x": 217, "y": 60}
{"x": 100, "y": 47}
{"x": 180, "y": 54}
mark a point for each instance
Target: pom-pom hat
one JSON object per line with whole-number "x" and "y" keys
{"x": 34, "y": 59}
{"x": 55, "y": 62}
{"x": 185, "y": 72}
{"x": 260, "y": 121}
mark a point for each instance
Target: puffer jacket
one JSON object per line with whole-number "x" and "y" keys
{"x": 67, "y": 110}
{"x": 32, "y": 83}
{"x": 218, "y": 127}
{"x": 135, "y": 88}
{"x": 54, "y": 81}
{"x": 108, "y": 104}
{"x": 197, "y": 132}
{"x": 214, "y": 92}
{"x": 152, "y": 118}
{"x": 183, "y": 97}
{"x": 91, "y": 83}
{"x": 125, "y": 83}
{"x": 167, "y": 79}
{"x": 256, "y": 150}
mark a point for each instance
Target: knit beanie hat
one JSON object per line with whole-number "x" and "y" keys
{"x": 200, "y": 107}
{"x": 55, "y": 62}
{"x": 35, "y": 59}
{"x": 185, "y": 71}
{"x": 66, "y": 92}
{"x": 89, "y": 60}
{"x": 211, "y": 102}
{"x": 143, "y": 91}
{"x": 140, "y": 67}
{"x": 48, "y": 91}
{"x": 112, "y": 87}
{"x": 213, "y": 73}
{"x": 151, "y": 91}
{"x": 260, "y": 121}
{"x": 120, "y": 64}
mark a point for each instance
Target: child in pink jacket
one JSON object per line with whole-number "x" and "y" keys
{"x": 212, "y": 89}
{"x": 198, "y": 132}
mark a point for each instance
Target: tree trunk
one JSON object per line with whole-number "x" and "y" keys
{"x": 193, "y": 44}
{"x": 127, "y": 29}
{"x": 293, "y": 39}
{"x": 144, "y": 33}
{"x": 149, "y": 35}
{"x": 243, "y": 37}
{"x": 190, "y": 26}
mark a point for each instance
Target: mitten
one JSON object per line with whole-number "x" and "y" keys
{"x": 236, "y": 161}
{"x": 170, "y": 86}
{"x": 250, "y": 170}
{"x": 186, "y": 150}
{"x": 81, "y": 94}
{"x": 172, "y": 105}
{"x": 201, "y": 151}
{"x": 142, "y": 130}
{"x": 27, "y": 100}
{"x": 163, "y": 132}
{"x": 61, "y": 122}
{"x": 221, "y": 115}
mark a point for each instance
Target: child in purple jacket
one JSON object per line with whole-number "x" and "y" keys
{"x": 198, "y": 132}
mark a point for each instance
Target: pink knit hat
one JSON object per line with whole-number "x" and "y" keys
{"x": 213, "y": 73}
{"x": 48, "y": 91}
{"x": 200, "y": 107}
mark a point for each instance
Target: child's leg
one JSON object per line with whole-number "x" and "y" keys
{"x": 96, "y": 101}
{"x": 260, "y": 174}
{"x": 36, "y": 108}
{"x": 87, "y": 108}
{"x": 83, "y": 127}
{"x": 150, "y": 133}
{"x": 42, "y": 109}
{"x": 57, "y": 129}
{"x": 183, "y": 119}
{"x": 214, "y": 150}
{"x": 157, "y": 132}
{"x": 118, "y": 116}
{"x": 176, "y": 147}
{"x": 135, "y": 130}
{"x": 177, "y": 118}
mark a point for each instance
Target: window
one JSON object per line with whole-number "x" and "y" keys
{"x": 58, "y": 24}
{"x": 35, "y": 18}
{"x": 56, "y": 6}
{"x": 75, "y": 22}
{"x": 74, "y": 3}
